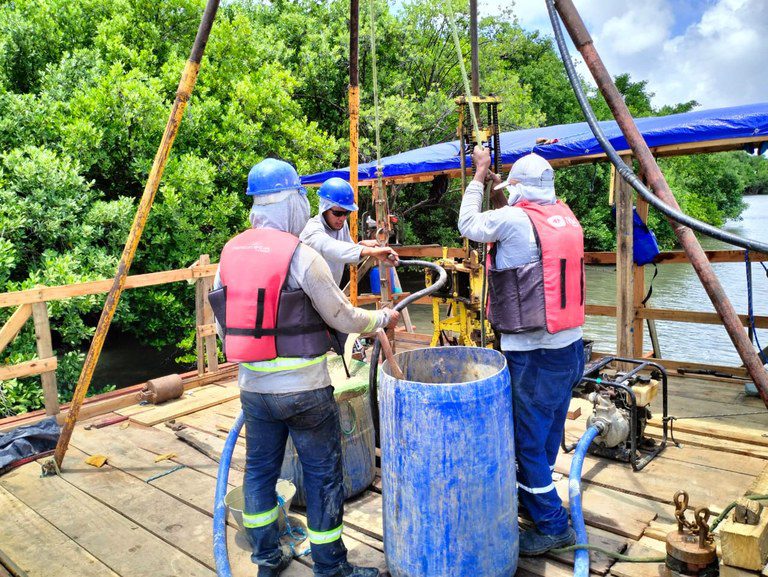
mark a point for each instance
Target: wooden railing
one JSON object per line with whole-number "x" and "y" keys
{"x": 33, "y": 303}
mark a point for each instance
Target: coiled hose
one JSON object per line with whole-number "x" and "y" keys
{"x": 220, "y": 554}
{"x": 626, "y": 172}
{"x": 580, "y": 556}
{"x": 373, "y": 375}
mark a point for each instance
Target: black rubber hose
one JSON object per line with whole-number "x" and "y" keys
{"x": 376, "y": 353}
{"x": 626, "y": 172}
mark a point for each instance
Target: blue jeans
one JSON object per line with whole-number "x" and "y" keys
{"x": 542, "y": 381}
{"x": 312, "y": 420}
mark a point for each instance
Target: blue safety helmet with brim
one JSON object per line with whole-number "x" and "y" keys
{"x": 338, "y": 192}
{"x": 272, "y": 175}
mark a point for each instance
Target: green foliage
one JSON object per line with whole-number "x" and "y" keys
{"x": 17, "y": 397}
{"x": 85, "y": 92}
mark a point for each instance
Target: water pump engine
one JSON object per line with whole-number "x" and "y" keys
{"x": 621, "y": 402}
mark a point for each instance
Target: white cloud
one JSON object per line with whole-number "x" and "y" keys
{"x": 716, "y": 59}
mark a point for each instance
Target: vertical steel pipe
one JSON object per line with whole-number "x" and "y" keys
{"x": 354, "y": 118}
{"x": 183, "y": 93}
{"x": 475, "y": 56}
{"x": 656, "y": 181}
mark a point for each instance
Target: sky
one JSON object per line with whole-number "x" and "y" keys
{"x": 711, "y": 51}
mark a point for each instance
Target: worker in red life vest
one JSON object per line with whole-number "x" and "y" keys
{"x": 536, "y": 301}
{"x": 328, "y": 232}
{"x": 274, "y": 300}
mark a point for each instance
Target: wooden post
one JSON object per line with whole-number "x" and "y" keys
{"x": 44, "y": 351}
{"x": 379, "y": 196}
{"x": 200, "y": 319}
{"x": 624, "y": 267}
{"x": 211, "y": 352}
{"x": 638, "y": 291}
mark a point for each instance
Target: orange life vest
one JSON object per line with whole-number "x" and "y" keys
{"x": 263, "y": 319}
{"x": 549, "y": 293}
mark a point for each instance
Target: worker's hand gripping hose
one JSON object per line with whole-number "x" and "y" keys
{"x": 374, "y": 371}
{"x": 220, "y": 553}
{"x": 580, "y": 556}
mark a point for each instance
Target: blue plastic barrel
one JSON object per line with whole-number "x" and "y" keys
{"x": 375, "y": 278}
{"x": 448, "y": 464}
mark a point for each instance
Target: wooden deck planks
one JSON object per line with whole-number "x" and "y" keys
{"x": 661, "y": 478}
{"x": 25, "y": 534}
{"x": 196, "y": 489}
{"x": 624, "y": 569}
{"x": 700, "y": 454}
{"x": 614, "y": 511}
{"x": 186, "y": 493}
{"x": 118, "y": 542}
{"x": 619, "y": 504}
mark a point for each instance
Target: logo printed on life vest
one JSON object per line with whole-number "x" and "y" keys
{"x": 557, "y": 221}
{"x": 254, "y": 247}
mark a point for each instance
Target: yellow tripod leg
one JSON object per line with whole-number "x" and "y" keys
{"x": 436, "y": 322}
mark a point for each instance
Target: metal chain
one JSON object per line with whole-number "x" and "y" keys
{"x": 699, "y": 526}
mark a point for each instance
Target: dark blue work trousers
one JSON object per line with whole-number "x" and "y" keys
{"x": 312, "y": 420}
{"x": 542, "y": 380}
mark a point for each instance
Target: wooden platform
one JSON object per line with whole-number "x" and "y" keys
{"x": 137, "y": 516}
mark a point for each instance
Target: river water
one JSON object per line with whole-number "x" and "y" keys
{"x": 675, "y": 287}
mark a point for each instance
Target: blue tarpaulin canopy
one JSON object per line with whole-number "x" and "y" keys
{"x": 740, "y": 124}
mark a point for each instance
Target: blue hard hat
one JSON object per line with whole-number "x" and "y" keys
{"x": 272, "y": 175}
{"x": 339, "y": 192}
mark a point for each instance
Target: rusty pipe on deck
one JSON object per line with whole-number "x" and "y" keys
{"x": 656, "y": 181}
{"x": 183, "y": 94}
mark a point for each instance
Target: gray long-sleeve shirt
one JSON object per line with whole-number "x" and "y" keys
{"x": 517, "y": 247}
{"x": 310, "y": 272}
{"x": 335, "y": 246}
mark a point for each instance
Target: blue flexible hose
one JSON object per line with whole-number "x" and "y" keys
{"x": 580, "y": 556}
{"x": 220, "y": 553}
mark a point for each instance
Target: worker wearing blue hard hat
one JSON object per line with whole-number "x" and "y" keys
{"x": 285, "y": 388}
{"x": 328, "y": 232}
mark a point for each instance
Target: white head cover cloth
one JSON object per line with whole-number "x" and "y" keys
{"x": 535, "y": 181}
{"x": 287, "y": 210}
{"x": 326, "y": 204}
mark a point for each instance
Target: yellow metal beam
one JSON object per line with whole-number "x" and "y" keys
{"x": 183, "y": 93}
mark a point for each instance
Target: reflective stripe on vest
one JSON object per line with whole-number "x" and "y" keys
{"x": 561, "y": 240}
{"x": 256, "y": 520}
{"x": 283, "y": 364}
{"x": 324, "y": 537}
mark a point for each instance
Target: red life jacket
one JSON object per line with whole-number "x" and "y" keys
{"x": 549, "y": 293}
{"x": 261, "y": 318}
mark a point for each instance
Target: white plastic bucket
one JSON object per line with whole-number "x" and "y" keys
{"x": 235, "y": 502}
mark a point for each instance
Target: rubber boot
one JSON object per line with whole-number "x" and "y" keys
{"x": 273, "y": 571}
{"x": 533, "y": 542}
{"x": 349, "y": 570}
